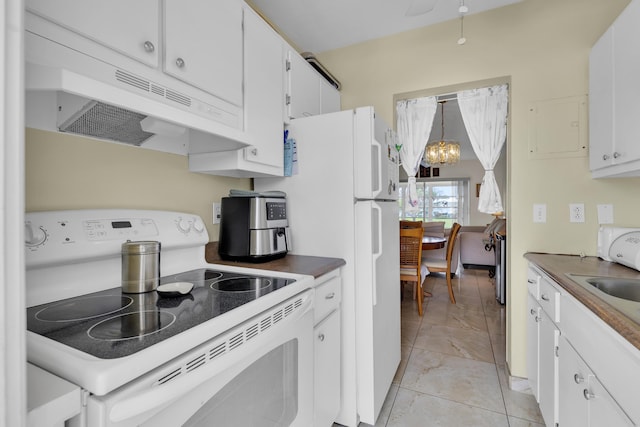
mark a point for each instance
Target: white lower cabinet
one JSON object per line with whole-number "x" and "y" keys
{"x": 327, "y": 350}
{"x": 327, "y": 370}
{"x": 583, "y": 399}
{"x": 548, "y": 376}
{"x": 533, "y": 345}
{"x": 542, "y": 344}
{"x": 581, "y": 371}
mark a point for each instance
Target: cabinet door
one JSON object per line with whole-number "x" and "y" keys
{"x": 573, "y": 380}
{"x": 304, "y": 88}
{"x": 264, "y": 92}
{"x": 203, "y": 45}
{"x": 626, "y": 69}
{"x": 601, "y": 102}
{"x": 533, "y": 344}
{"x": 327, "y": 371}
{"x": 548, "y": 369}
{"x": 129, "y": 27}
{"x": 329, "y": 97}
{"x": 603, "y": 409}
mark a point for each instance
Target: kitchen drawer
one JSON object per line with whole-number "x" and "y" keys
{"x": 533, "y": 283}
{"x": 550, "y": 299}
{"x": 327, "y": 298}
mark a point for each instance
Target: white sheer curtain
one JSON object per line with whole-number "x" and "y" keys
{"x": 484, "y": 113}
{"x": 415, "y": 118}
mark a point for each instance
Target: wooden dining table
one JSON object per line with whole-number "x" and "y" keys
{"x": 432, "y": 242}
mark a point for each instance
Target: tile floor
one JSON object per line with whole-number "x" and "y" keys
{"x": 452, "y": 371}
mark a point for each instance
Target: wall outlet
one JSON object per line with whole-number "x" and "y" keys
{"x": 540, "y": 213}
{"x": 576, "y": 212}
{"x": 217, "y": 212}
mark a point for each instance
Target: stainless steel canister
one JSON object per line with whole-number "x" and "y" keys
{"x": 140, "y": 266}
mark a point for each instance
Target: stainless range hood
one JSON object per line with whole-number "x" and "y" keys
{"x": 69, "y": 91}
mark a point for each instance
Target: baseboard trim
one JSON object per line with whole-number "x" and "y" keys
{"x": 518, "y": 384}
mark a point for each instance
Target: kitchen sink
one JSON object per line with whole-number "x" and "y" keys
{"x": 628, "y": 289}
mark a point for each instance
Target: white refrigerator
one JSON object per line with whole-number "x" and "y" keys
{"x": 343, "y": 203}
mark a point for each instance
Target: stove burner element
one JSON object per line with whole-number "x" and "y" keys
{"x": 242, "y": 284}
{"x": 131, "y": 325}
{"x": 84, "y": 308}
{"x": 197, "y": 277}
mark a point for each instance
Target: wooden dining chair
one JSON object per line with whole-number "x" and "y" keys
{"x": 444, "y": 266}
{"x": 411, "y": 260}
{"x": 410, "y": 224}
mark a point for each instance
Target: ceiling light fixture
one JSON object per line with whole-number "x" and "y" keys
{"x": 462, "y": 10}
{"x": 442, "y": 152}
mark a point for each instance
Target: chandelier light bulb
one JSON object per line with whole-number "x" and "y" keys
{"x": 463, "y": 9}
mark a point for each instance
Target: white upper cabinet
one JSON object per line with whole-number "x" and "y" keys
{"x": 129, "y": 27}
{"x": 203, "y": 45}
{"x": 614, "y": 67}
{"x": 329, "y": 97}
{"x": 308, "y": 93}
{"x": 263, "y": 98}
{"x": 303, "y": 94}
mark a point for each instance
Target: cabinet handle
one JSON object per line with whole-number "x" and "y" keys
{"x": 616, "y": 154}
{"x": 180, "y": 62}
{"x": 531, "y": 281}
{"x": 544, "y": 297}
{"x": 321, "y": 338}
{"x": 578, "y": 379}
{"x": 330, "y": 296}
{"x": 606, "y": 157}
{"x": 538, "y": 319}
{"x": 588, "y": 395}
{"x": 533, "y": 312}
{"x": 148, "y": 46}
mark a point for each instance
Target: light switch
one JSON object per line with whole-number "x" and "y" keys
{"x": 605, "y": 214}
{"x": 540, "y": 212}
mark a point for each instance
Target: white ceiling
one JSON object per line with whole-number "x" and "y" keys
{"x": 319, "y": 25}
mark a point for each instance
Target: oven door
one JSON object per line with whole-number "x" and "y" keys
{"x": 258, "y": 373}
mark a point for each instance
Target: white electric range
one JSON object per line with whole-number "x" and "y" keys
{"x": 136, "y": 354}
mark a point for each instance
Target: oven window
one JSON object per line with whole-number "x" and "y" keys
{"x": 264, "y": 394}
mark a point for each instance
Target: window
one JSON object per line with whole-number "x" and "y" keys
{"x": 438, "y": 201}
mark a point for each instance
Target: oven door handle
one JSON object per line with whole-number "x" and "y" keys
{"x": 162, "y": 395}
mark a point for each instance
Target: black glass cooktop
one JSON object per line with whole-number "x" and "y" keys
{"x": 110, "y": 324}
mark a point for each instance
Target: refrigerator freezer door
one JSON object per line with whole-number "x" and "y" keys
{"x": 376, "y": 159}
{"x": 377, "y": 303}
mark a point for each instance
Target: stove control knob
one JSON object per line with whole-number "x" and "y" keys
{"x": 34, "y": 235}
{"x": 198, "y": 226}
{"x": 184, "y": 225}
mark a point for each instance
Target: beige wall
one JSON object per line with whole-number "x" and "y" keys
{"x": 71, "y": 172}
{"x": 543, "y": 46}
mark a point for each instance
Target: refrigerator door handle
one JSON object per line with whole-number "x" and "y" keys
{"x": 377, "y": 250}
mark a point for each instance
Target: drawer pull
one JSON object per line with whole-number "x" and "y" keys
{"x": 531, "y": 281}
{"x": 578, "y": 378}
{"x": 330, "y": 296}
{"x": 538, "y": 318}
{"x": 588, "y": 395}
{"x": 544, "y": 297}
{"x": 533, "y": 312}
{"x": 321, "y": 338}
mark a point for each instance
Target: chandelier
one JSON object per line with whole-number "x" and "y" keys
{"x": 442, "y": 152}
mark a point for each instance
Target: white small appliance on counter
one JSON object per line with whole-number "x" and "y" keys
{"x": 620, "y": 245}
